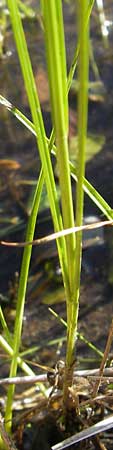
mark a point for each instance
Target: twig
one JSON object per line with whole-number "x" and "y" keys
{"x": 104, "y": 359}
{"x": 93, "y": 373}
{"x": 58, "y": 234}
{"x": 24, "y": 380}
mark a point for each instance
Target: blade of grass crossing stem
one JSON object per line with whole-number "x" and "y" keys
{"x": 88, "y": 188}
{"x": 57, "y": 75}
{"x": 9, "y": 350}
{"x": 76, "y": 53}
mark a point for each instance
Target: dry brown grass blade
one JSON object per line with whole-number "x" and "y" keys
{"x": 104, "y": 359}
{"x": 53, "y": 236}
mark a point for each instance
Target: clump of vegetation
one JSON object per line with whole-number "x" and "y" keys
{"x": 69, "y": 243}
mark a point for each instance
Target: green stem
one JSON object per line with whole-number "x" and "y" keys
{"x": 82, "y": 131}
{"x": 57, "y": 75}
{"x": 82, "y": 124}
{"x": 21, "y": 301}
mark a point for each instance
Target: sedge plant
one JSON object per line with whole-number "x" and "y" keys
{"x": 56, "y": 65}
{"x": 69, "y": 247}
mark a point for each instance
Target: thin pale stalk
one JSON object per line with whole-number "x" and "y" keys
{"x": 82, "y": 131}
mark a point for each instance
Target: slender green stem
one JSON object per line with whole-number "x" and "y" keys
{"x": 82, "y": 133}
{"x": 56, "y": 64}
{"x": 21, "y": 301}
{"x": 82, "y": 130}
